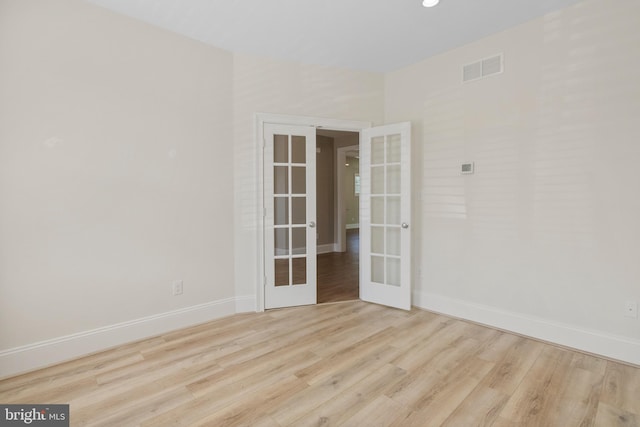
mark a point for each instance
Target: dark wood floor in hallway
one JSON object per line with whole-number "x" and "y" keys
{"x": 338, "y": 272}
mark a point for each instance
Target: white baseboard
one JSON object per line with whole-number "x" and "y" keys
{"x": 320, "y": 249}
{"x": 352, "y": 226}
{"x": 596, "y": 342}
{"x": 325, "y": 249}
{"x": 46, "y": 353}
{"x": 246, "y": 304}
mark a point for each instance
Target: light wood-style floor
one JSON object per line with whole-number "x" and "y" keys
{"x": 351, "y": 364}
{"x": 338, "y": 272}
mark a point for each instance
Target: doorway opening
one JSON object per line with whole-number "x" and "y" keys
{"x": 338, "y": 212}
{"x": 286, "y": 235}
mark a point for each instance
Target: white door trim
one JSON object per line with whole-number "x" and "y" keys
{"x": 260, "y": 120}
{"x": 341, "y": 226}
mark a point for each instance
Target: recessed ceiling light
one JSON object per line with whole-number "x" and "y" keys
{"x": 430, "y": 3}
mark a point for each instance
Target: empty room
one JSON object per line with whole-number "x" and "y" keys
{"x": 296, "y": 213}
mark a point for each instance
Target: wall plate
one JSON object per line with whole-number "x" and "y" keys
{"x": 467, "y": 168}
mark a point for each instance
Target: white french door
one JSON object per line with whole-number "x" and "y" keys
{"x": 290, "y": 215}
{"x": 385, "y": 215}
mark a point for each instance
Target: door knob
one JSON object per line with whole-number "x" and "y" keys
{"x": 405, "y": 225}
{"x": 312, "y": 224}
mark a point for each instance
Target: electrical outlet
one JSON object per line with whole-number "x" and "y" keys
{"x": 631, "y": 309}
{"x": 177, "y": 287}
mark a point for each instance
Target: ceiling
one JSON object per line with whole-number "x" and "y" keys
{"x": 372, "y": 35}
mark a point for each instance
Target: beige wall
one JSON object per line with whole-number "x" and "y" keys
{"x": 116, "y": 171}
{"x": 128, "y": 160}
{"x": 325, "y": 178}
{"x": 545, "y": 233}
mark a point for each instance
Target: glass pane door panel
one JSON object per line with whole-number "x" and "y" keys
{"x": 280, "y": 149}
{"x": 282, "y": 272}
{"x": 377, "y": 210}
{"x": 298, "y": 180}
{"x": 377, "y": 150}
{"x": 290, "y": 275}
{"x": 393, "y": 210}
{"x": 393, "y": 148}
{"x": 377, "y": 180}
{"x": 280, "y": 180}
{"x": 393, "y": 179}
{"x": 299, "y": 241}
{"x": 298, "y": 149}
{"x": 386, "y": 204}
{"x": 393, "y": 271}
{"x": 377, "y": 240}
{"x": 281, "y": 241}
{"x": 393, "y": 241}
{"x": 385, "y": 210}
{"x": 281, "y": 210}
{"x": 290, "y": 179}
{"x": 299, "y": 210}
{"x": 377, "y": 269}
{"x": 299, "y": 266}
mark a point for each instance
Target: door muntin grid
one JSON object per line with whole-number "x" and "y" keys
{"x": 290, "y": 210}
{"x": 384, "y": 220}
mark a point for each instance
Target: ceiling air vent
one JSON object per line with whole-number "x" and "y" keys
{"x": 482, "y": 68}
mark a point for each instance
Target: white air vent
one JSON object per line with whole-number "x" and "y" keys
{"x": 482, "y": 68}
{"x": 472, "y": 71}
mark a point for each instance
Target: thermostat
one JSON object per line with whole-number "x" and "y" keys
{"x": 467, "y": 168}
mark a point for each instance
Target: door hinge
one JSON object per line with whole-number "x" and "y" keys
{"x": 264, "y": 212}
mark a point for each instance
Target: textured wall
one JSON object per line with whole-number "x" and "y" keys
{"x": 548, "y": 225}
{"x": 263, "y": 85}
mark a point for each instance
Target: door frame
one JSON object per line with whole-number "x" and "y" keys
{"x": 341, "y": 223}
{"x": 260, "y": 120}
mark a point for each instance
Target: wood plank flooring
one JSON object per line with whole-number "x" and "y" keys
{"x": 338, "y": 272}
{"x": 350, "y": 364}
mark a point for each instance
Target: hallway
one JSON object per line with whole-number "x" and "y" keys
{"x": 338, "y": 272}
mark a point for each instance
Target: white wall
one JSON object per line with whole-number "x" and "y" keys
{"x": 122, "y": 147}
{"x": 264, "y": 85}
{"x": 115, "y": 179}
{"x": 127, "y": 161}
{"x": 543, "y": 238}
